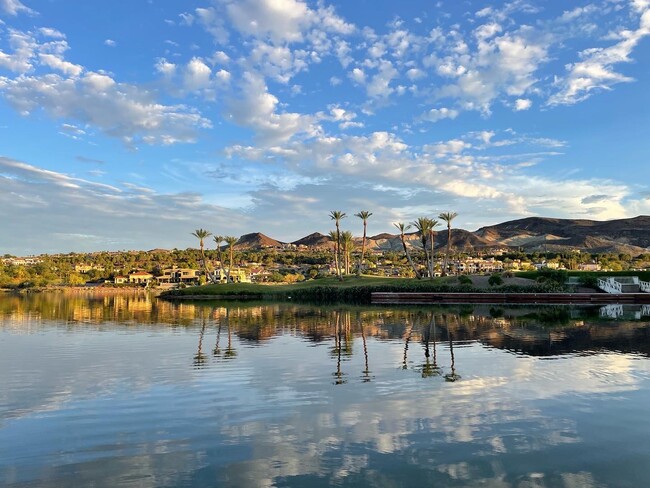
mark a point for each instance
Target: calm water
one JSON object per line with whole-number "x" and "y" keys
{"x": 127, "y": 391}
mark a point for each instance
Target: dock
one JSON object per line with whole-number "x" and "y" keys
{"x": 511, "y": 298}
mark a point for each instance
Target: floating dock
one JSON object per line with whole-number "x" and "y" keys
{"x": 511, "y": 298}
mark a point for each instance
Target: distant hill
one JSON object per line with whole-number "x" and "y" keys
{"x": 531, "y": 234}
{"x": 539, "y": 233}
{"x": 256, "y": 240}
{"x": 315, "y": 240}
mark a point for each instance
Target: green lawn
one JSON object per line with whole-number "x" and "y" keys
{"x": 643, "y": 275}
{"x": 330, "y": 282}
{"x": 353, "y": 289}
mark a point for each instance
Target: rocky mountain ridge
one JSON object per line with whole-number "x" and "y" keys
{"x": 530, "y": 234}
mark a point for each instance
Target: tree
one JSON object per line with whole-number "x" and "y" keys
{"x": 347, "y": 241}
{"x": 432, "y": 239}
{"x": 447, "y": 217}
{"x": 424, "y": 226}
{"x": 333, "y": 235}
{"x": 337, "y": 216}
{"x": 201, "y": 234}
{"x": 364, "y": 215}
{"x": 231, "y": 241}
{"x": 402, "y": 227}
{"x": 218, "y": 240}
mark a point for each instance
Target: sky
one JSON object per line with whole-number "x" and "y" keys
{"x": 128, "y": 125}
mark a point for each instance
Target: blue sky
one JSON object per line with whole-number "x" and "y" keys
{"x": 128, "y": 125}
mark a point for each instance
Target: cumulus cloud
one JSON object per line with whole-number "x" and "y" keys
{"x": 14, "y": 7}
{"x": 523, "y": 104}
{"x": 254, "y": 107}
{"x": 276, "y": 21}
{"x": 436, "y": 114}
{"x": 596, "y": 70}
{"x": 117, "y": 109}
{"x": 119, "y": 217}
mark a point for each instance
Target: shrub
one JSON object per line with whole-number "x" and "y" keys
{"x": 495, "y": 280}
{"x": 464, "y": 280}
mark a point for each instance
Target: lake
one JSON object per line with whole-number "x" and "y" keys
{"x": 124, "y": 390}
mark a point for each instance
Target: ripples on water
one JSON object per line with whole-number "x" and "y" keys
{"x": 126, "y": 390}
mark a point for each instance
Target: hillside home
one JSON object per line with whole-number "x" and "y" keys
{"x": 238, "y": 275}
{"x": 140, "y": 277}
{"x": 179, "y": 275}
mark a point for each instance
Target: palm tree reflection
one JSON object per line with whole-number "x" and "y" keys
{"x": 453, "y": 376}
{"x": 200, "y": 357}
{"x": 430, "y": 368}
{"x": 338, "y": 340}
{"x": 230, "y": 352}
{"x": 216, "y": 351}
{"x": 366, "y": 378}
{"x": 407, "y": 339}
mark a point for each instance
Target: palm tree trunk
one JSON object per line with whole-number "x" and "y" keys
{"x": 363, "y": 249}
{"x": 426, "y": 254}
{"x": 446, "y": 265}
{"x": 338, "y": 252}
{"x": 230, "y": 265}
{"x": 408, "y": 258}
{"x": 431, "y": 242}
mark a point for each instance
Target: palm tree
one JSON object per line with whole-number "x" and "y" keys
{"x": 447, "y": 217}
{"x": 432, "y": 239}
{"x": 424, "y": 225}
{"x": 333, "y": 235}
{"x": 347, "y": 241}
{"x": 363, "y": 215}
{"x": 336, "y": 216}
{"x": 201, "y": 234}
{"x": 231, "y": 241}
{"x": 402, "y": 227}
{"x": 218, "y": 240}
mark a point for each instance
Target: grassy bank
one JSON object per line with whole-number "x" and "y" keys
{"x": 586, "y": 275}
{"x": 353, "y": 289}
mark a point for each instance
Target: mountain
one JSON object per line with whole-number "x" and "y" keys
{"x": 315, "y": 240}
{"x": 256, "y": 240}
{"x": 631, "y": 236}
{"x": 539, "y": 233}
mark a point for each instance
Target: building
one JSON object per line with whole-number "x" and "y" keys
{"x": 180, "y": 275}
{"x": 140, "y": 277}
{"x": 238, "y": 275}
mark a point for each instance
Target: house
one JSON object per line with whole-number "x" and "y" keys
{"x": 589, "y": 267}
{"x": 85, "y": 268}
{"x": 179, "y": 275}
{"x": 121, "y": 280}
{"x": 140, "y": 277}
{"x": 238, "y": 275}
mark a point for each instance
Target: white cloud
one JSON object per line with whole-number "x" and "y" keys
{"x": 196, "y": 75}
{"x": 24, "y": 47}
{"x": 110, "y": 43}
{"x": 358, "y": 76}
{"x": 165, "y": 68}
{"x": 117, "y": 109}
{"x": 119, "y": 215}
{"x": 523, "y": 104}
{"x": 14, "y": 7}
{"x": 256, "y": 108}
{"x": 59, "y": 64}
{"x": 279, "y": 21}
{"x": 596, "y": 71}
{"x": 52, "y": 33}
{"x": 379, "y": 86}
{"x": 436, "y": 114}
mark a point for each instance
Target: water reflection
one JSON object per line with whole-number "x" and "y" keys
{"x": 130, "y": 391}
